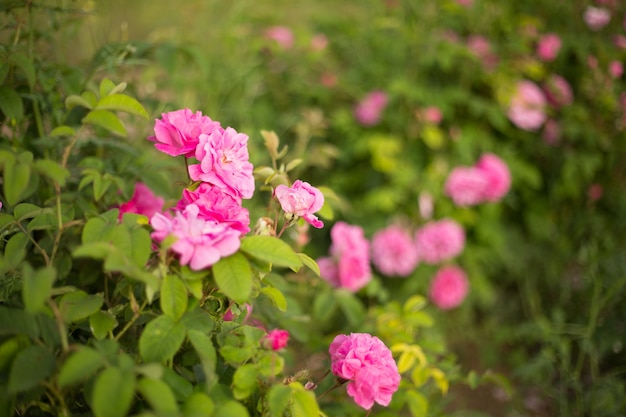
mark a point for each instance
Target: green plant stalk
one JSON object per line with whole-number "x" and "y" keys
{"x": 46, "y": 258}
{"x": 60, "y": 324}
{"x": 131, "y": 321}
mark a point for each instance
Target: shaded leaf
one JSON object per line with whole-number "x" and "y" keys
{"x": 273, "y": 250}
{"x": 33, "y": 364}
{"x": 173, "y": 297}
{"x": 37, "y": 287}
{"x": 158, "y": 394}
{"x": 122, "y": 102}
{"x": 161, "y": 339}
{"x": 11, "y": 103}
{"x": 106, "y": 120}
{"x": 113, "y": 393}
{"x": 233, "y": 276}
{"x": 79, "y": 366}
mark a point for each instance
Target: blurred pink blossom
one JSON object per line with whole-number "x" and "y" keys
{"x": 301, "y": 200}
{"x": 368, "y": 111}
{"x": 439, "y": 241}
{"x": 620, "y": 41}
{"x": 230, "y": 316}
{"x": 551, "y": 132}
{"x": 319, "y": 42}
{"x": 282, "y": 35}
{"x": 394, "y": 252}
{"x": 596, "y": 17}
{"x": 449, "y": 287}
{"x": 432, "y": 114}
{"x": 498, "y": 176}
{"x": 592, "y": 62}
{"x": 595, "y": 192}
{"x": 558, "y": 91}
{"x": 527, "y": 107}
{"x": 466, "y": 186}
{"x": 368, "y": 365}
{"x": 481, "y": 47}
{"x": 548, "y": 47}
{"x": 276, "y": 339}
{"x": 616, "y": 69}
{"x": 426, "y": 204}
{"x": 143, "y": 201}
{"x": 178, "y": 132}
{"x": 465, "y": 3}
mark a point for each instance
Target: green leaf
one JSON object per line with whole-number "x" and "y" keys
{"x": 231, "y": 409}
{"x": 11, "y": 104}
{"x": 180, "y": 386}
{"x": 418, "y": 404}
{"x": 113, "y": 393}
{"x": 198, "y": 404}
{"x": 79, "y": 305}
{"x": 141, "y": 244}
{"x": 233, "y": 276}
{"x": 351, "y": 306}
{"x": 303, "y": 402}
{"x": 278, "y": 399}
{"x": 173, "y": 297}
{"x": 62, "y": 131}
{"x": 75, "y": 100}
{"x": 81, "y": 365}
{"x": 276, "y": 297}
{"x": 161, "y": 339}
{"x": 46, "y": 220}
{"x": 33, "y": 364}
{"x": 122, "y": 102}
{"x": 309, "y": 263}
{"x": 106, "y": 120}
{"x": 26, "y": 211}
{"x": 15, "y": 249}
{"x": 245, "y": 381}
{"x": 158, "y": 394}
{"x": 17, "y": 321}
{"x": 16, "y": 178}
{"x": 26, "y": 65}
{"x": 52, "y": 170}
{"x": 324, "y": 306}
{"x": 37, "y": 287}
{"x": 101, "y": 323}
{"x": 273, "y": 250}
{"x": 97, "y": 229}
{"x": 203, "y": 345}
{"x": 198, "y": 319}
{"x": 106, "y": 86}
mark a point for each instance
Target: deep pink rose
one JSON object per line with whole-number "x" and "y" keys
{"x": 143, "y": 201}
{"x": 596, "y": 17}
{"x": 230, "y": 316}
{"x": 178, "y": 132}
{"x": 558, "y": 91}
{"x": 498, "y": 176}
{"x": 439, "y": 241}
{"x": 527, "y": 109}
{"x": 616, "y": 69}
{"x": 368, "y": 365}
{"x": 276, "y": 339}
{"x": 301, "y": 200}
{"x": 199, "y": 242}
{"x": 368, "y": 112}
{"x": 449, "y": 287}
{"x": 466, "y": 186}
{"x": 548, "y": 47}
{"x": 223, "y": 157}
{"x": 394, "y": 252}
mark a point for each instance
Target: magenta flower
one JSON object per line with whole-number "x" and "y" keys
{"x": 282, "y": 35}
{"x": 497, "y": 174}
{"x": 143, "y": 201}
{"x": 394, "y": 252}
{"x": 596, "y": 17}
{"x": 548, "y": 47}
{"x": 558, "y": 91}
{"x": 223, "y": 157}
{"x": 616, "y": 69}
{"x": 276, "y": 339}
{"x": 466, "y": 186}
{"x": 199, "y": 242}
{"x": 449, "y": 287}
{"x": 365, "y": 361}
{"x": 368, "y": 111}
{"x": 432, "y": 114}
{"x": 439, "y": 241}
{"x": 349, "y": 264}
{"x": 216, "y": 204}
{"x": 527, "y": 107}
{"x": 178, "y": 132}
{"x": 301, "y": 200}
{"x": 230, "y": 316}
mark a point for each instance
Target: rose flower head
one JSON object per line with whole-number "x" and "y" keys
{"x": 300, "y": 200}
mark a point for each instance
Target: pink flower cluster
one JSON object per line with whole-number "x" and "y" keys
{"x": 276, "y": 339}
{"x": 488, "y": 180}
{"x": 209, "y": 220}
{"x": 300, "y": 200}
{"x": 596, "y": 17}
{"x": 365, "y": 361}
{"x": 394, "y": 252}
{"x": 449, "y": 287}
{"x": 369, "y": 110}
{"x": 439, "y": 240}
{"x": 143, "y": 201}
{"x": 349, "y": 264}
{"x": 527, "y": 108}
{"x": 548, "y": 47}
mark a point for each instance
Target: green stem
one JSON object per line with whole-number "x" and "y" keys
{"x": 57, "y": 238}
{"x": 131, "y": 321}
{"x": 34, "y": 242}
{"x": 60, "y": 324}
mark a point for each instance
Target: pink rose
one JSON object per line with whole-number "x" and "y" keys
{"x": 368, "y": 111}
{"x": 481, "y": 48}
{"x": 498, "y": 176}
{"x": 282, "y": 35}
{"x": 223, "y": 157}
{"x": 143, "y": 201}
{"x": 432, "y": 114}
{"x": 230, "y": 316}
{"x": 596, "y": 17}
{"x": 301, "y": 200}
{"x": 616, "y": 69}
{"x": 368, "y": 365}
{"x": 393, "y": 251}
{"x": 551, "y": 132}
{"x": 620, "y": 41}
{"x": 439, "y": 241}
{"x": 276, "y": 339}
{"x": 449, "y": 287}
{"x": 466, "y": 186}
{"x": 199, "y": 242}
{"x": 548, "y": 47}
{"x": 178, "y": 132}
{"x": 558, "y": 91}
{"x": 527, "y": 107}
{"x": 319, "y": 42}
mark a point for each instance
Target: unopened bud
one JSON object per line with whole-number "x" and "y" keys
{"x": 264, "y": 227}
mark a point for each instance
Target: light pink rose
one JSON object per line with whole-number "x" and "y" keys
{"x": 426, "y": 204}
{"x": 319, "y": 42}
{"x": 449, "y": 287}
{"x": 223, "y": 157}
{"x": 369, "y": 110}
{"x": 143, "y": 201}
{"x": 368, "y": 365}
{"x": 276, "y": 339}
{"x": 282, "y": 35}
{"x": 466, "y": 186}
{"x": 527, "y": 109}
{"x": 616, "y": 69}
{"x": 438, "y": 241}
{"x": 199, "y": 242}
{"x": 432, "y": 114}
{"x": 394, "y": 252}
{"x": 548, "y": 47}
{"x": 216, "y": 204}
{"x": 558, "y": 91}
{"x": 178, "y": 132}
{"x": 498, "y": 176}
{"x": 596, "y": 17}
{"x": 301, "y": 200}
{"x": 481, "y": 48}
